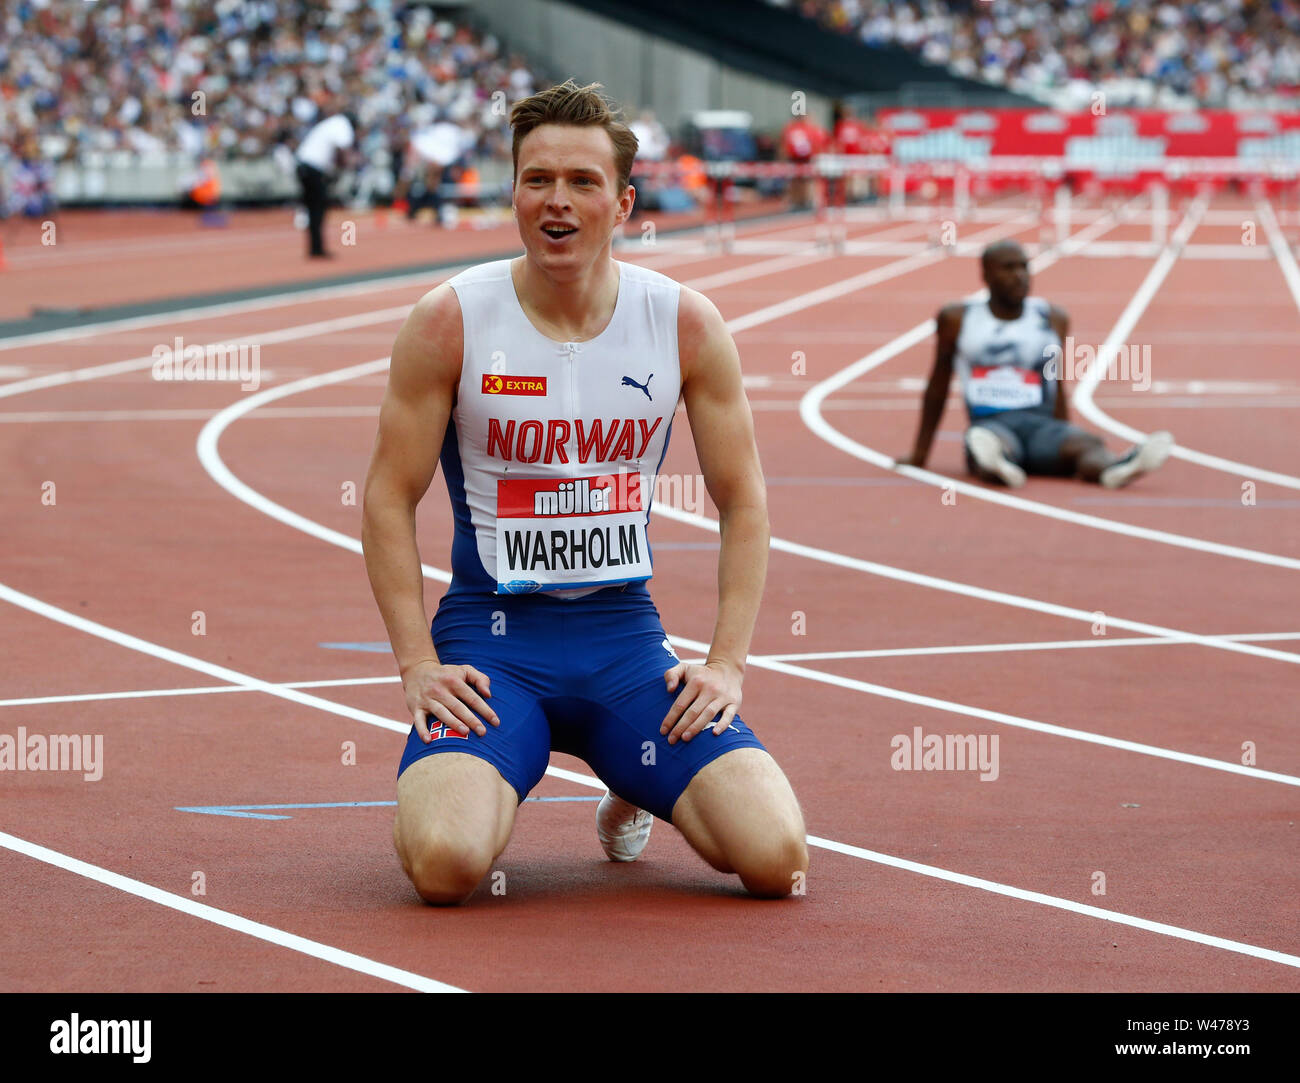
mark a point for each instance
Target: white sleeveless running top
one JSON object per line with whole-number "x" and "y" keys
{"x": 1000, "y": 362}
{"x": 552, "y": 448}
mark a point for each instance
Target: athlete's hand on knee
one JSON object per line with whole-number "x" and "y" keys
{"x": 707, "y": 690}
{"x": 452, "y": 695}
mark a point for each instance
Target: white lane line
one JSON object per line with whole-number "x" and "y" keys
{"x": 282, "y": 299}
{"x": 252, "y": 929}
{"x": 201, "y": 690}
{"x": 212, "y": 462}
{"x": 285, "y": 334}
{"x": 1005, "y": 648}
{"x": 247, "y": 683}
{"x": 810, "y": 656}
{"x": 806, "y": 254}
{"x": 953, "y": 586}
{"x": 262, "y": 338}
{"x": 225, "y": 919}
{"x": 1158, "y": 927}
{"x": 30, "y": 417}
{"x": 135, "y": 643}
{"x": 75, "y": 255}
{"x": 155, "y": 650}
{"x": 1083, "y": 394}
{"x": 216, "y": 467}
{"x": 858, "y": 282}
{"x": 1000, "y": 717}
{"x": 1281, "y": 249}
{"x": 209, "y": 456}
{"x": 230, "y": 308}
{"x": 811, "y": 407}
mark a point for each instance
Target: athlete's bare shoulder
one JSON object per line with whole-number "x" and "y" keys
{"x": 700, "y": 326}
{"x": 949, "y": 318}
{"x": 432, "y": 340}
{"x": 438, "y": 307}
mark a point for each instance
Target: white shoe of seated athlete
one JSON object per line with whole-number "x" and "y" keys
{"x": 1142, "y": 459}
{"x": 623, "y": 829}
{"x": 989, "y": 455}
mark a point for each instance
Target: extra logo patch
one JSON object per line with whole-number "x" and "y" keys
{"x": 513, "y": 385}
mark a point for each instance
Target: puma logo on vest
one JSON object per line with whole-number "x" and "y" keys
{"x": 629, "y": 382}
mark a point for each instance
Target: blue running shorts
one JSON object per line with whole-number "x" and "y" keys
{"x": 584, "y": 677}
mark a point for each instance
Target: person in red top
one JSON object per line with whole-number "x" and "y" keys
{"x": 801, "y": 139}
{"x": 850, "y": 136}
{"x": 877, "y": 139}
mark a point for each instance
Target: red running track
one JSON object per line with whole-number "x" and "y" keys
{"x": 919, "y": 880}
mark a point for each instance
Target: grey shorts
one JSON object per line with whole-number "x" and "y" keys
{"x": 1034, "y": 440}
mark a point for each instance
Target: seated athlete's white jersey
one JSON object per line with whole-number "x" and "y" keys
{"x": 1000, "y": 362}
{"x": 552, "y": 448}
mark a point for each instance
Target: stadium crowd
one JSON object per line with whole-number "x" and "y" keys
{"x": 1208, "y": 53}
{"x": 229, "y": 79}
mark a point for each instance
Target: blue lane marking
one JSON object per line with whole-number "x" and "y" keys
{"x": 255, "y": 812}
{"x": 373, "y": 648}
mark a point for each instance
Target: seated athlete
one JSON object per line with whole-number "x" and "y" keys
{"x": 530, "y": 378}
{"x": 1020, "y": 421}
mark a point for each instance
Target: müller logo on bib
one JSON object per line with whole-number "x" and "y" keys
{"x": 557, "y": 533}
{"x": 513, "y": 385}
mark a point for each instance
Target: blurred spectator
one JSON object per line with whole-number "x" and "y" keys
{"x": 801, "y": 139}
{"x": 850, "y": 136}
{"x": 1209, "y": 53}
{"x": 318, "y": 158}
{"x": 26, "y": 182}
{"x": 651, "y": 137}
{"x": 203, "y": 187}
{"x": 436, "y": 157}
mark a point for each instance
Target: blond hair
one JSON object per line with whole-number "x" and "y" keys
{"x": 579, "y": 106}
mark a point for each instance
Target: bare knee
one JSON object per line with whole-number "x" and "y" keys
{"x": 454, "y": 815}
{"x": 445, "y": 871}
{"x": 775, "y": 868}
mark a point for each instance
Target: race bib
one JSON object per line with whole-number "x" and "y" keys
{"x": 1003, "y": 387}
{"x": 561, "y": 533}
